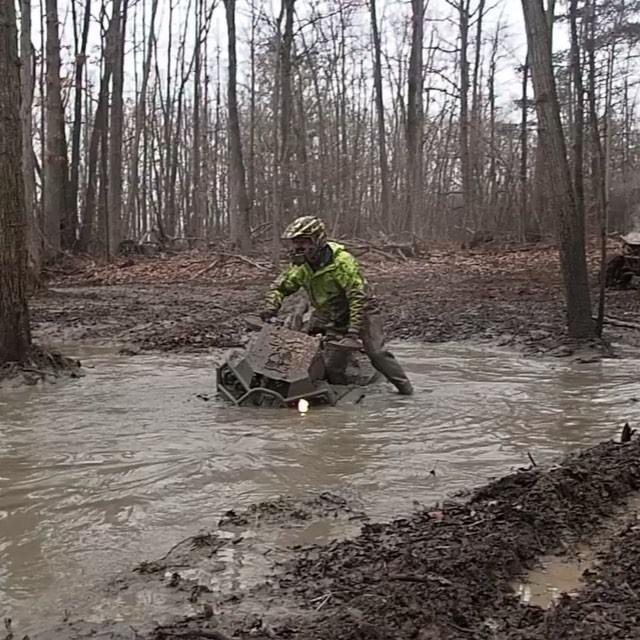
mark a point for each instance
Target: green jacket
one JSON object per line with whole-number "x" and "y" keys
{"x": 337, "y": 291}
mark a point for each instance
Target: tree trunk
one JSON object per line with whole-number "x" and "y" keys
{"x": 578, "y": 127}
{"x": 539, "y": 202}
{"x": 465, "y": 152}
{"x": 414, "y": 130}
{"x": 382, "y": 136}
{"x": 275, "y": 141}
{"x": 476, "y": 140}
{"x": 114, "y": 208}
{"x": 58, "y": 232}
{"x": 194, "y": 211}
{"x": 81, "y": 57}
{"x": 15, "y": 337}
{"x": 239, "y": 201}
{"x": 570, "y": 224}
{"x": 101, "y": 114}
{"x": 524, "y": 156}
{"x": 599, "y": 156}
{"x": 286, "y": 108}
{"x": 141, "y": 111}
{"x": 28, "y": 159}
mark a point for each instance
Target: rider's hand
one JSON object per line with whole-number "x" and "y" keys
{"x": 267, "y": 314}
{"x": 351, "y": 341}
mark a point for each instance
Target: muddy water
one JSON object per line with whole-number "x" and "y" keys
{"x": 99, "y": 473}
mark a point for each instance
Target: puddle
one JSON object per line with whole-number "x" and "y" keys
{"x": 559, "y": 575}
{"x": 542, "y": 587}
{"x": 103, "y": 472}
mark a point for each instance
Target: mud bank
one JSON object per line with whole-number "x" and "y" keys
{"x": 509, "y": 297}
{"x": 444, "y": 573}
{"x": 40, "y": 366}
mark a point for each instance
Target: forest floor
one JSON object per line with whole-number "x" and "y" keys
{"x": 453, "y": 571}
{"x": 512, "y": 297}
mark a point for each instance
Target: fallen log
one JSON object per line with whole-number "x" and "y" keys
{"x": 206, "y": 269}
{"x": 616, "y": 322}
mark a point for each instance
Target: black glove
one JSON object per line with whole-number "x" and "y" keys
{"x": 267, "y": 314}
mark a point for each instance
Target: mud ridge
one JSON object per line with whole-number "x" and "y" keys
{"x": 286, "y": 509}
{"x": 445, "y": 573}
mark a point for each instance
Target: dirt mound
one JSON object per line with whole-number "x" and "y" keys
{"x": 40, "y": 365}
{"x": 446, "y": 573}
{"x": 286, "y": 509}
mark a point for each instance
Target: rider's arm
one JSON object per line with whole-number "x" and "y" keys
{"x": 350, "y": 278}
{"x": 289, "y": 281}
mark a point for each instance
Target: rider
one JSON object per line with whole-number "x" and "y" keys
{"x": 344, "y": 307}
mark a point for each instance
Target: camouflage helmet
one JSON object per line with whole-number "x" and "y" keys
{"x": 306, "y": 226}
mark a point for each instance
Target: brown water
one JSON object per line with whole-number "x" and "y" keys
{"x": 99, "y": 473}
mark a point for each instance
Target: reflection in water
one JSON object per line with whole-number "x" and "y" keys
{"x": 99, "y": 473}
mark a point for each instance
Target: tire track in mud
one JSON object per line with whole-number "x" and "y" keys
{"x": 449, "y": 573}
{"x": 607, "y": 604}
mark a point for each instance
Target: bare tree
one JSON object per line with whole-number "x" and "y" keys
{"x": 15, "y": 337}
{"x": 385, "y": 210}
{"x": 28, "y": 165}
{"x": 140, "y": 117}
{"x": 239, "y": 210}
{"x": 114, "y": 207}
{"x": 80, "y": 64}
{"x": 56, "y": 212}
{"x": 415, "y": 116}
{"x": 570, "y": 223}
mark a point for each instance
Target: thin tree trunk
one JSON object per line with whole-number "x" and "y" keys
{"x": 239, "y": 213}
{"x": 415, "y": 118}
{"x": 99, "y": 125}
{"x": 465, "y": 152}
{"x": 382, "y": 135}
{"x": 194, "y": 211}
{"x": 286, "y": 107}
{"x": 524, "y": 147}
{"x": 28, "y": 158}
{"x": 275, "y": 176}
{"x": 599, "y": 156}
{"x": 578, "y": 127}
{"x": 114, "y": 208}
{"x": 81, "y": 58}
{"x": 140, "y": 120}
{"x": 58, "y": 231}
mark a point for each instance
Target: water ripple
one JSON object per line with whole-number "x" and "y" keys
{"x": 101, "y": 472}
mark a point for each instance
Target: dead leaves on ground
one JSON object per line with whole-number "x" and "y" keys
{"x": 533, "y": 263}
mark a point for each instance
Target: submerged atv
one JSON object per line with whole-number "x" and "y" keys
{"x": 283, "y": 365}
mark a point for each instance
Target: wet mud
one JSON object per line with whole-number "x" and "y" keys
{"x": 286, "y": 510}
{"x": 607, "y": 606}
{"x": 41, "y": 365}
{"x": 447, "y": 572}
{"x": 512, "y": 298}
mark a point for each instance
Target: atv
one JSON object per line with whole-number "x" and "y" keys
{"x": 284, "y": 366}
{"x": 622, "y": 267}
